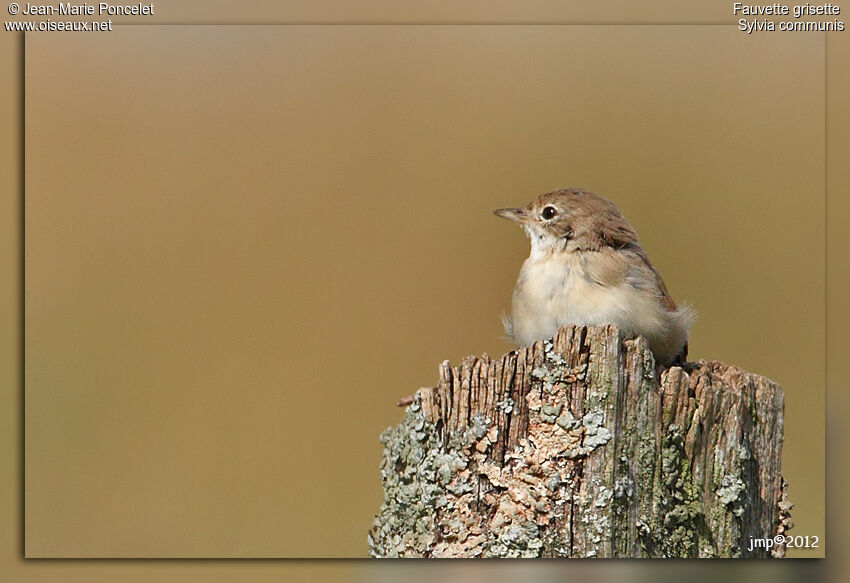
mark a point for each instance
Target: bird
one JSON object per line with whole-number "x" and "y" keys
{"x": 586, "y": 267}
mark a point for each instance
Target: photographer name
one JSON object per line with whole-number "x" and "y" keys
{"x": 102, "y": 8}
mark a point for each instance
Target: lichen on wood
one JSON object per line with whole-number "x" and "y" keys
{"x": 575, "y": 448}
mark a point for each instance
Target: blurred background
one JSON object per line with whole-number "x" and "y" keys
{"x": 245, "y": 243}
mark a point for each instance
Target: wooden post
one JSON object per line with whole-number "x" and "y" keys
{"x": 574, "y": 448}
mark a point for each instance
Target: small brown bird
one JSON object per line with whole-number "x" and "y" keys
{"x": 587, "y": 268}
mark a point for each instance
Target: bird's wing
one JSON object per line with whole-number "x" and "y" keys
{"x": 666, "y": 299}
{"x": 629, "y": 265}
{"x": 640, "y": 263}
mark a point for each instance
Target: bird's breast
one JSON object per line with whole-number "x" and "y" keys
{"x": 559, "y": 290}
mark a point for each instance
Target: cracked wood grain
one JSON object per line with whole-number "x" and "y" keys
{"x": 574, "y": 448}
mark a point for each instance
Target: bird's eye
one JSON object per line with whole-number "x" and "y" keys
{"x": 548, "y": 213}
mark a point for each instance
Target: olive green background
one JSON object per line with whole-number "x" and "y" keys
{"x": 207, "y": 227}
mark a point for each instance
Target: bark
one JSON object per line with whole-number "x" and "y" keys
{"x": 575, "y": 448}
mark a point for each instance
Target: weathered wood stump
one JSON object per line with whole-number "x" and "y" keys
{"x": 574, "y": 448}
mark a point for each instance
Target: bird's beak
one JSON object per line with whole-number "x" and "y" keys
{"x": 515, "y": 215}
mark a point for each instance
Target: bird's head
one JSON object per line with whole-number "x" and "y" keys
{"x": 571, "y": 219}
